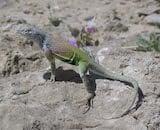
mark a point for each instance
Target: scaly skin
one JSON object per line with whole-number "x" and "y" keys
{"x": 55, "y": 47}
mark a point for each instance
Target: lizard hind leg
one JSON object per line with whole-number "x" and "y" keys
{"x": 83, "y": 68}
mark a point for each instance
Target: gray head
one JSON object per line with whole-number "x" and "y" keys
{"x": 31, "y": 32}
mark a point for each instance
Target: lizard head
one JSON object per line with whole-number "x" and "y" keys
{"x": 31, "y": 32}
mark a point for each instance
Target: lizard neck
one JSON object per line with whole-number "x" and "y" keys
{"x": 40, "y": 39}
{"x": 45, "y": 43}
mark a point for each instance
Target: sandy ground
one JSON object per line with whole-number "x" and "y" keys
{"x": 28, "y": 101}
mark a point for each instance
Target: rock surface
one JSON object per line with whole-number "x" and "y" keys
{"x": 153, "y": 19}
{"x": 29, "y": 101}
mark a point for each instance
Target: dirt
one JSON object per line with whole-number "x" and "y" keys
{"x": 29, "y": 101}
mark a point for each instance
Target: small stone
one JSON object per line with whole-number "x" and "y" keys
{"x": 123, "y": 66}
{"x": 157, "y": 56}
{"x": 20, "y": 21}
{"x": 8, "y": 38}
{"x": 9, "y": 19}
{"x": 107, "y": 3}
{"x": 88, "y": 18}
{"x": 40, "y": 11}
{"x": 153, "y": 19}
{"x": 32, "y": 56}
{"x": 14, "y": 97}
{"x": 56, "y": 7}
{"x": 26, "y": 11}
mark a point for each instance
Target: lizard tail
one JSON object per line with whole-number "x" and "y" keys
{"x": 101, "y": 71}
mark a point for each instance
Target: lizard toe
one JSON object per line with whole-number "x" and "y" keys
{"x": 52, "y": 78}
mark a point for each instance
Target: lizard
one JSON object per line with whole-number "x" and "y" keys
{"x": 55, "y": 47}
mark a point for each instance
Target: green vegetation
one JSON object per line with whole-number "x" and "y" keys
{"x": 148, "y": 45}
{"x": 85, "y": 39}
{"x": 55, "y": 21}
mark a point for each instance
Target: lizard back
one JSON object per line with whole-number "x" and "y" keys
{"x": 66, "y": 52}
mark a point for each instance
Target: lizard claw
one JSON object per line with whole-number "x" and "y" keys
{"x": 52, "y": 78}
{"x": 85, "y": 111}
{"x": 89, "y": 103}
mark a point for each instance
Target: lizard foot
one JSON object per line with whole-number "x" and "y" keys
{"x": 52, "y": 78}
{"x": 89, "y": 103}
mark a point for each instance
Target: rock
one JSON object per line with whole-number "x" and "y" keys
{"x": 40, "y": 11}
{"x": 148, "y": 11}
{"x": 89, "y": 18}
{"x": 12, "y": 64}
{"x": 33, "y": 56}
{"x": 153, "y": 19}
{"x": 26, "y": 11}
{"x": 7, "y": 38}
{"x": 11, "y": 19}
{"x": 116, "y": 26}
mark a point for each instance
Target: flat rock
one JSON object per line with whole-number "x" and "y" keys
{"x": 153, "y": 19}
{"x": 149, "y": 10}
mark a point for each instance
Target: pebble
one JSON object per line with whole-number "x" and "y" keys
{"x": 153, "y": 19}
{"x": 26, "y": 11}
{"x": 15, "y": 97}
{"x": 89, "y": 18}
{"x": 40, "y": 11}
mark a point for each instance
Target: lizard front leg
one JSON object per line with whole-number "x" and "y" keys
{"x": 53, "y": 68}
{"x": 91, "y": 90}
{"x": 51, "y": 59}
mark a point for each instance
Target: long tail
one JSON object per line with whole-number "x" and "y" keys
{"x": 101, "y": 71}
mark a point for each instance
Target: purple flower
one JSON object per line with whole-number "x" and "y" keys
{"x": 73, "y": 42}
{"x": 90, "y": 29}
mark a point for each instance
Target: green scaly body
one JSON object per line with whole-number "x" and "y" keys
{"x": 66, "y": 52}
